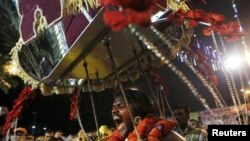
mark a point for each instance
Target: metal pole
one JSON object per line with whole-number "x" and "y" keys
{"x": 92, "y": 101}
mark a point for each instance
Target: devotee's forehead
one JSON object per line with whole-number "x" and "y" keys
{"x": 118, "y": 100}
{"x": 179, "y": 110}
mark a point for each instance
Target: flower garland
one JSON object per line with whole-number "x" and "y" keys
{"x": 116, "y": 136}
{"x": 151, "y": 128}
{"x": 231, "y": 31}
{"x": 157, "y": 128}
{"x": 128, "y": 12}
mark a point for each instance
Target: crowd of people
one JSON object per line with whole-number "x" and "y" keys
{"x": 136, "y": 118}
{"x": 21, "y": 134}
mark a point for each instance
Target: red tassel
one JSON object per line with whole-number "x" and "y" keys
{"x": 17, "y": 108}
{"x": 73, "y": 105}
{"x": 160, "y": 81}
{"x": 133, "y": 12}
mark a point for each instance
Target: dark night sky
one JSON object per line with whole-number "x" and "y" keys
{"x": 53, "y": 111}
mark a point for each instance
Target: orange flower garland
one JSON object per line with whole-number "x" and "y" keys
{"x": 231, "y": 31}
{"x": 151, "y": 128}
{"x": 125, "y": 12}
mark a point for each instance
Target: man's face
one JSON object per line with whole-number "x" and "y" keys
{"x": 121, "y": 117}
{"x": 47, "y": 136}
{"x": 58, "y": 134}
{"x": 20, "y": 136}
{"x": 181, "y": 117}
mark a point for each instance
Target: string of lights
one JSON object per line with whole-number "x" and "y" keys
{"x": 150, "y": 46}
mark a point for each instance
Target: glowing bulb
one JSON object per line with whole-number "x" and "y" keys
{"x": 233, "y": 62}
{"x": 11, "y": 68}
{"x": 247, "y": 91}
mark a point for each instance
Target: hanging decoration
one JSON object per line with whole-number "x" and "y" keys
{"x": 19, "y": 70}
{"x": 74, "y": 6}
{"x": 238, "y": 20}
{"x": 159, "y": 80}
{"x": 228, "y": 77}
{"x": 215, "y": 95}
{"x": 230, "y": 31}
{"x": 175, "y": 5}
{"x": 73, "y": 104}
{"x": 202, "y": 65}
{"x": 150, "y": 46}
{"x": 17, "y": 108}
{"x": 136, "y": 12}
{"x": 161, "y": 91}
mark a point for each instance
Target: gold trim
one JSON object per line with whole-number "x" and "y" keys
{"x": 74, "y": 6}
{"x": 20, "y": 72}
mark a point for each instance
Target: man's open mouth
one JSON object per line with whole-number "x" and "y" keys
{"x": 118, "y": 121}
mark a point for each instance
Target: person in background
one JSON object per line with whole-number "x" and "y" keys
{"x": 20, "y": 134}
{"x": 58, "y": 134}
{"x": 148, "y": 124}
{"x": 30, "y": 138}
{"x": 40, "y": 138}
{"x": 47, "y": 135}
{"x": 182, "y": 115}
